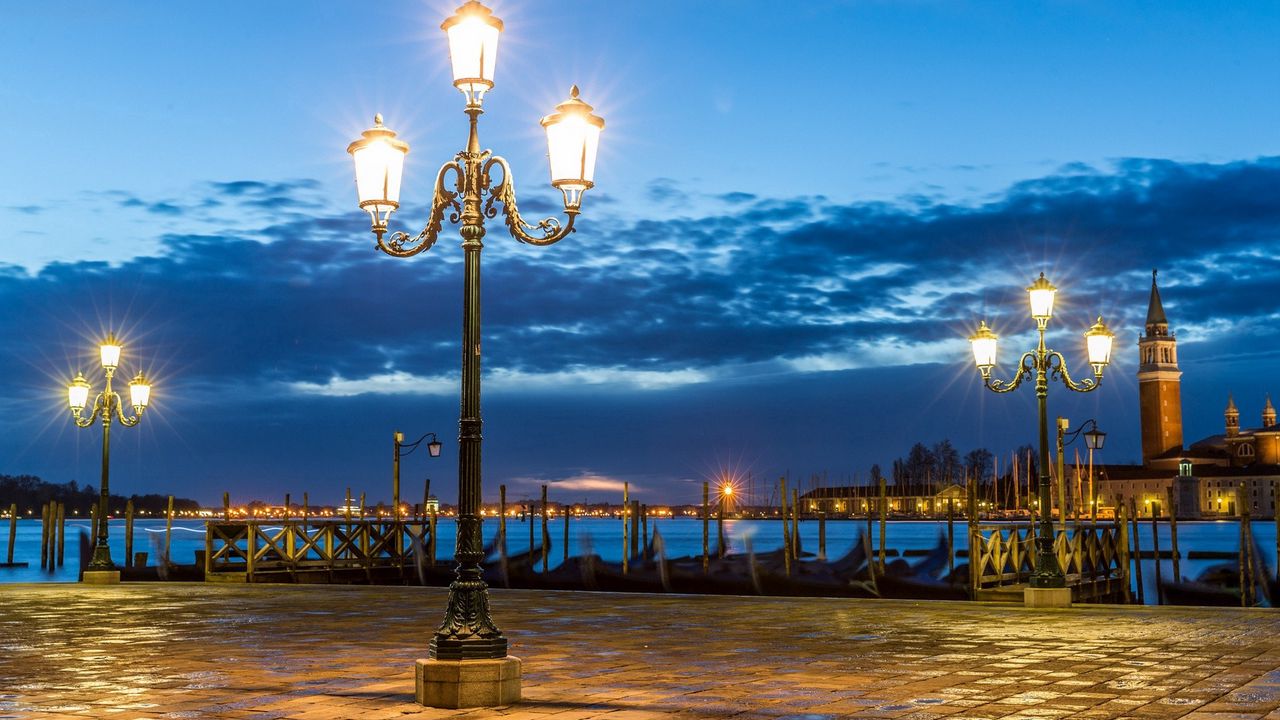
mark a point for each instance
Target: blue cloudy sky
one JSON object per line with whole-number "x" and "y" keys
{"x": 800, "y": 215}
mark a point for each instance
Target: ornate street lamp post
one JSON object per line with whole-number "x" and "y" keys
{"x": 468, "y": 633}
{"x": 1044, "y": 364}
{"x": 107, "y": 406}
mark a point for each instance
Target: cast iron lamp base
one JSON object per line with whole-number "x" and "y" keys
{"x": 468, "y": 683}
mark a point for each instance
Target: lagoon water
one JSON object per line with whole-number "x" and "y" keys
{"x": 603, "y": 536}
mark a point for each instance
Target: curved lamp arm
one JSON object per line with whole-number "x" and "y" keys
{"x": 125, "y": 420}
{"x": 414, "y": 445}
{"x": 1059, "y": 370}
{"x": 83, "y": 421}
{"x": 1075, "y": 434}
{"x": 1026, "y": 366}
{"x": 551, "y": 229}
{"x": 401, "y": 244}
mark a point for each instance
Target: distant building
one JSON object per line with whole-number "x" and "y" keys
{"x": 1220, "y": 475}
{"x": 908, "y": 499}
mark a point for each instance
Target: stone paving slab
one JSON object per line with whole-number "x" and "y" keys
{"x": 330, "y": 652}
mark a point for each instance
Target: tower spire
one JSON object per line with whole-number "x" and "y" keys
{"x": 1157, "y": 323}
{"x": 1268, "y": 414}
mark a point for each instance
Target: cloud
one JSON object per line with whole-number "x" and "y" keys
{"x": 304, "y": 305}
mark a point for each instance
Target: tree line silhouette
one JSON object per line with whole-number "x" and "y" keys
{"x": 30, "y": 493}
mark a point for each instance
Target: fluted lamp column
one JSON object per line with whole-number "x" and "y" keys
{"x": 1048, "y": 585}
{"x": 467, "y": 664}
{"x": 107, "y": 407}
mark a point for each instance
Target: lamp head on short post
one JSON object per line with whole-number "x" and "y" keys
{"x": 573, "y": 138}
{"x": 984, "y": 349}
{"x": 1098, "y": 341}
{"x": 379, "y": 161}
{"x": 1041, "y": 293}
{"x": 473, "y": 49}
{"x": 1095, "y": 438}
{"x": 78, "y": 394}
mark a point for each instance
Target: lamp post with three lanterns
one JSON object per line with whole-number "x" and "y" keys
{"x": 108, "y": 407}
{"x": 467, "y": 189}
{"x": 1043, "y": 364}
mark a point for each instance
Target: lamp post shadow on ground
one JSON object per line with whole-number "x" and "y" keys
{"x": 467, "y": 664}
{"x": 1048, "y": 586}
{"x": 107, "y": 407}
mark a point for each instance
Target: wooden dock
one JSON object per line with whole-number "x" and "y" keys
{"x": 1093, "y": 556}
{"x": 294, "y": 551}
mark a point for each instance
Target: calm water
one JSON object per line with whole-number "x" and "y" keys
{"x": 604, "y": 537}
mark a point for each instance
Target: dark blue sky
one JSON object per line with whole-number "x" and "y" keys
{"x": 798, "y": 220}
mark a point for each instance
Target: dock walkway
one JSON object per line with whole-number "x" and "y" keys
{"x": 328, "y": 652}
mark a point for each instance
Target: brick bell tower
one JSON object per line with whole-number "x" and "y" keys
{"x": 1159, "y": 383}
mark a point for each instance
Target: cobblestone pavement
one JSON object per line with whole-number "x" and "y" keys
{"x": 324, "y": 652}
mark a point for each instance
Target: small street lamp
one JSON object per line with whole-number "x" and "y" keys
{"x": 1044, "y": 364}
{"x": 468, "y": 633}
{"x": 107, "y": 406}
{"x": 433, "y": 449}
{"x": 1094, "y": 439}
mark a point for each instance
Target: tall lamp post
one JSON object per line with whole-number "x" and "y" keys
{"x": 108, "y": 407}
{"x": 433, "y": 449}
{"x": 1043, "y": 364}
{"x": 468, "y": 633}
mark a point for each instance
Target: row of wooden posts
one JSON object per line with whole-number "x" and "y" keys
{"x": 53, "y": 533}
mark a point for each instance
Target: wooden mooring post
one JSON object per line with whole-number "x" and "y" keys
{"x": 1173, "y": 535}
{"x": 951, "y": 537}
{"x": 786, "y": 532}
{"x": 1155, "y": 549}
{"x": 128, "y": 533}
{"x": 286, "y": 508}
{"x": 306, "y": 511}
{"x": 795, "y": 523}
{"x": 644, "y": 528}
{"x": 884, "y": 512}
{"x": 226, "y": 506}
{"x": 635, "y": 528}
{"x": 13, "y": 531}
{"x": 822, "y": 536}
{"x": 564, "y": 508}
{"x": 626, "y": 505}
{"x": 1137, "y": 552}
{"x": 1275, "y": 496}
{"x": 720, "y": 525}
{"x": 1122, "y": 531}
{"x": 706, "y": 528}
{"x": 168, "y": 532}
{"x": 44, "y": 535}
{"x": 502, "y": 517}
{"x": 545, "y": 535}
{"x": 62, "y": 532}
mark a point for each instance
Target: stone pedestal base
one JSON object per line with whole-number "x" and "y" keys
{"x": 101, "y": 577}
{"x": 468, "y": 683}
{"x": 1046, "y": 597}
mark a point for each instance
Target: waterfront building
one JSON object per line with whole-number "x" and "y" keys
{"x": 902, "y": 499}
{"x": 1217, "y": 476}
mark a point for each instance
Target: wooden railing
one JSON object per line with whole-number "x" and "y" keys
{"x": 249, "y": 548}
{"x": 1093, "y": 555}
